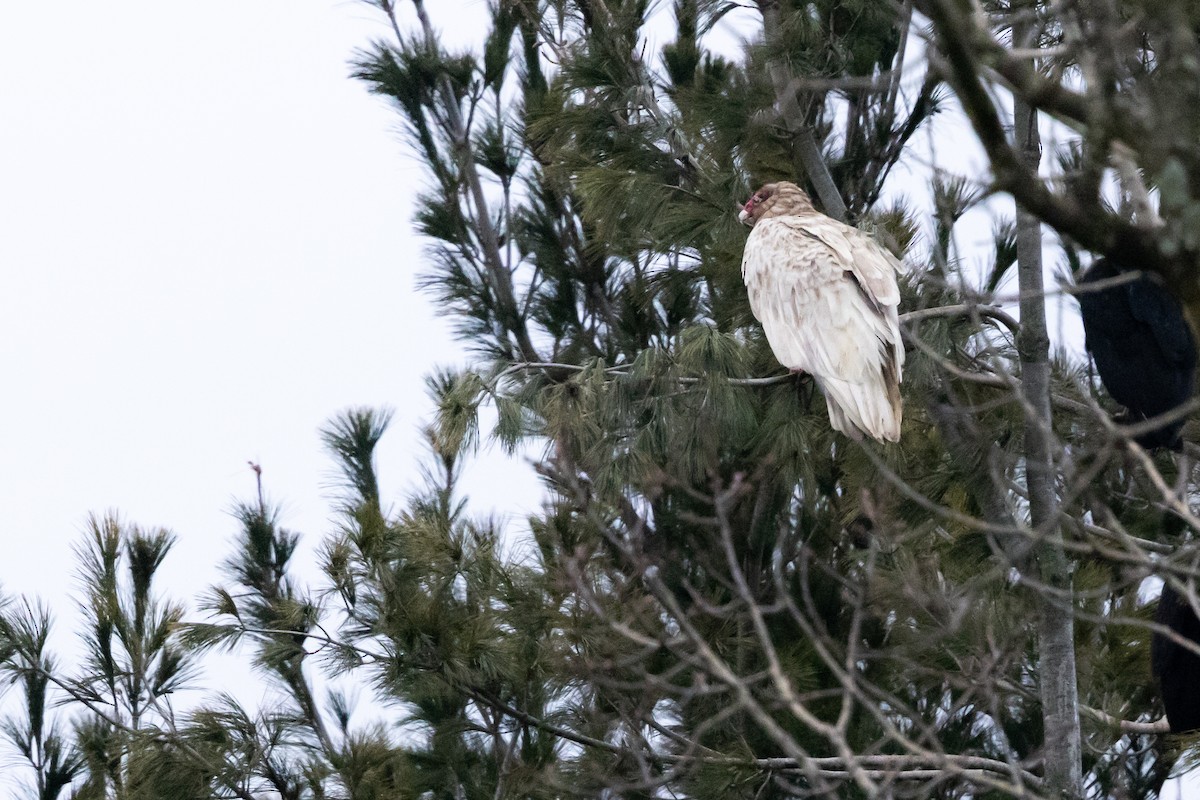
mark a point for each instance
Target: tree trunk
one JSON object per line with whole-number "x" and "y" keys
{"x": 1056, "y": 624}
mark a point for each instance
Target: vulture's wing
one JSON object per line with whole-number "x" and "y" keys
{"x": 868, "y": 265}
{"x": 827, "y": 304}
{"x": 873, "y": 265}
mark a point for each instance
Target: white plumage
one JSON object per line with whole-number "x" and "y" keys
{"x": 827, "y": 298}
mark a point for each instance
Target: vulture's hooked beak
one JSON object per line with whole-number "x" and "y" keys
{"x": 744, "y": 215}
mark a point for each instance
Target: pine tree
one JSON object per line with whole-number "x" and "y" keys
{"x": 113, "y": 744}
{"x": 756, "y": 602}
{"x": 721, "y": 596}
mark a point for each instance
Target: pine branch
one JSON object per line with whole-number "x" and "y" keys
{"x": 1157, "y": 728}
{"x": 921, "y": 764}
{"x": 501, "y": 279}
{"x": 834, "y": 734}
{"x": 235, "y": 788}
{"x": 793, "y": 116}
{"x": 964, "y": 43}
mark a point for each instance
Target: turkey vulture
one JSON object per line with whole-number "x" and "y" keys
{"x": 1142, "y": 347}
{"x": 826, "y": 296}
{"x": 1177, "y": 668}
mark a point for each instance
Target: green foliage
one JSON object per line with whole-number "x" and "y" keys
{"x": 677, "y": 451}
{"x": 42, "y": 742}
{"x": 721, "y": 597}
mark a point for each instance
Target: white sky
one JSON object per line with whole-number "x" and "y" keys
{"x": 205, "y": 253}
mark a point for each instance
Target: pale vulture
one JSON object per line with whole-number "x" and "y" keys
{"x": 826, "y": 296}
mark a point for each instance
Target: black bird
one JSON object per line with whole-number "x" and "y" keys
{"x": 1142, "y": 346}
{"x": 1177, "y": 668}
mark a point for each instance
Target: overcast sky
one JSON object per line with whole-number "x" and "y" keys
{"x": 206, "y": 253}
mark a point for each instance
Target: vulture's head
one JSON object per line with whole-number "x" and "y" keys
{"x": 776, "y": 200}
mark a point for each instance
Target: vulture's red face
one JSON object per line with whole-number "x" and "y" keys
{"x": 750, "y": 211}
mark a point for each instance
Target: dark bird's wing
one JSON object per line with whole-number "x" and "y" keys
{"x": 1175, "y": 666}
{"x": 1142, "y": 347}
{"x": 1155, "y": 307}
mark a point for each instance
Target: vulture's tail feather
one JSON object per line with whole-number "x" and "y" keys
{"x": 872, "y": 407}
